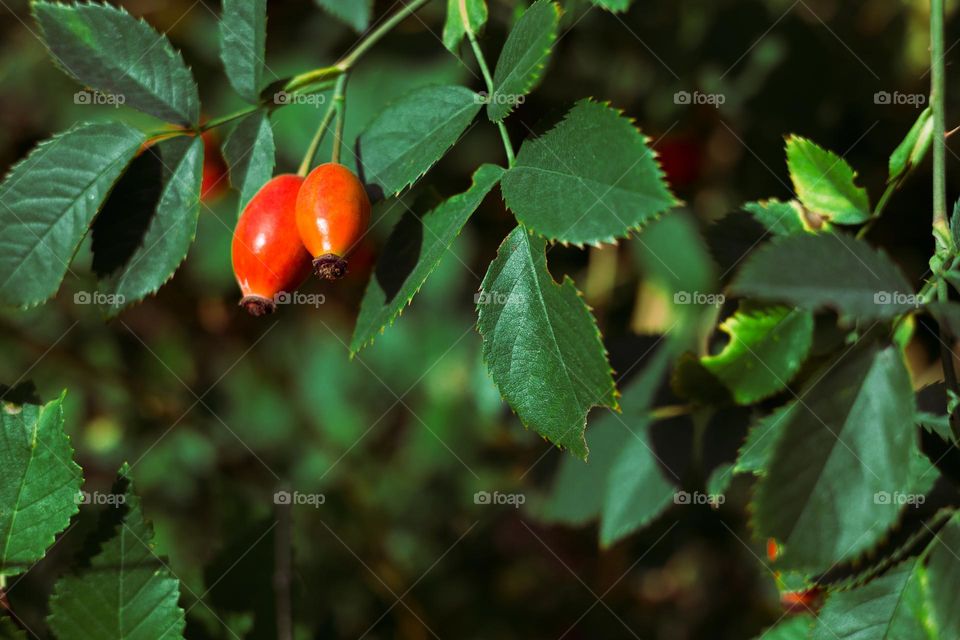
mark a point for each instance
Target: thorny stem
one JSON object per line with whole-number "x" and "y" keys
{"x": 487, "y": 78}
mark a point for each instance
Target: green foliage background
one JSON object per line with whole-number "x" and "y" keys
{"x": 216, "y": 411}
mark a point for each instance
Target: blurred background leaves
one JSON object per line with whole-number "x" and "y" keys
{"x": 215, "y": 411}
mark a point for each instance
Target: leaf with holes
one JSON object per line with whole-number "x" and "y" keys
{"x": 250, "y": 153}
{"x": 541, "y": 344}
{"x": 815, "y": 271}
{"x": 166, "y": 228}
{"x": 523, "y": 58}
{"x": 48, "y": 201}
{"x": 412, "y": 252}
{"x": 41, "y": 482}
{"x": 411, "y": 134}
{"x": 457, "y": 25}
{"x": 824, "y": 183}
{"x": 590, "y": 179}
{"x": 243, "y": 38}
{"x": 849, "y": 441}
{"x": 127, "y": 591}
{"x": 766, "y": 348}
{"x": 108, "y": 49}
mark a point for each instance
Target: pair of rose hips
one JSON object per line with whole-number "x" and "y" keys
{"x": 294, "y": 225}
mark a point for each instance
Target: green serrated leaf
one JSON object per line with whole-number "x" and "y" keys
{"x": 460, "y": 22}
{"x": 40, "y": 485}
{"x": 766, "y": 349}
{"x": 523, "y": 58}
{"x": 169, "y": 232}
{"x": 250, "y": 153}
{"x": 411, "y": 134}
{"x": 637, "y": 489}
{"x": 824, "y": 183}
{"x": 848, "y": 441}
{"x": 590, "y": 179}
{"x": 943, "y": 572}
{"x": 779, "y": 218}
{"x": 355, "y": 13}
{"x": 615, "y": 6}
{"x": 48, "y": 201}
{"x": 580, "y": 487}
{"x": 911, "y": 151}
{"x": 106, "y": 48}
{"x": 127, "y": 591}
{"x": 826, "y": 270}
{"x": 541, "y": 344}
{"x": 892, "y": 606}
{"x": 243, "y": 39}
{"x": 426, "y": 241}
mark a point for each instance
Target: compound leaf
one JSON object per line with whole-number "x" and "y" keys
{"x": 824, "y": 183}
{"x": 412, "y": 252}
{"x": 541, "y": 344}
{"x": 590, "y": 179}
{"x": 127, "y": 591}
{"x": 243, "y": 38}
{"x": 48, "y": 201}
{"x": 814, "y": 271}
{"x": 40, "y": 485}
{"x": 411, "y": 134}
{"x": 250, "y": 153}
{"x": 106, "y": 48}
{"x": 524, "y": 55}
{"x": 847, "y": 441}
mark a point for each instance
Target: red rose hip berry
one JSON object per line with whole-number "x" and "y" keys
{"x": 268, "y": 256}
{"x": 333, "y": 212}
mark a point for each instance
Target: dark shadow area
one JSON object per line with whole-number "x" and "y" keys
{"x": 400, "y": 255}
